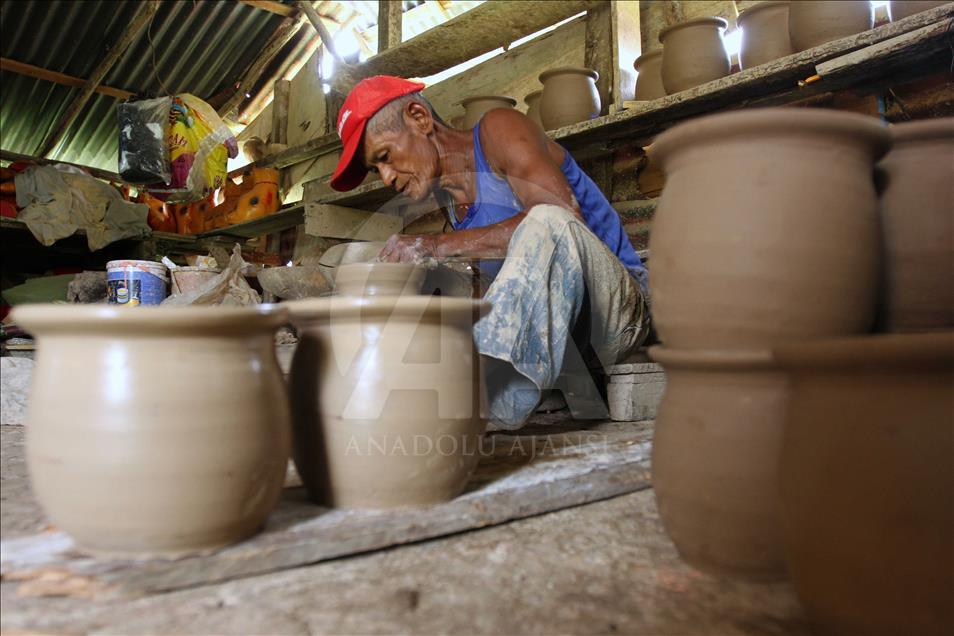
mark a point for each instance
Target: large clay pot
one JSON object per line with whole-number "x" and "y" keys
{"x": 917, "y": 207}
{"x": 387, "y": 398}
{"x": 532, "y": 100}
{"x": 379, "y": 279}
{"x": 867, "y": 482}
{"x": 569, "y": 96}
{"x": 815, "y": 22}
{"x": 715, "y": 453}
{"x": 901, "y": 9}
{"x": 693, "y": 53}
{"x": 475, "y": 107}
{"x": 156, "y": 432}
{"x": 767, "y": 228}
{"x": 764, "y": 33}
{"x": 649, "y": 84}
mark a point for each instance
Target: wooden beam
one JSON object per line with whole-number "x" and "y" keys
{"x": 272, "y": 7}
{"x": 484, "y": 28}
{"x": 144, "y": 13}
{"x": 283, "y": 33}
{"x": 390, "y": 17}
{"x": 296, "y": 154}
{"x": 282, "y": 94}
{"x": 99, "y": 173}
{"x": 599, "y": 52}
{"x": 20, "y": 68}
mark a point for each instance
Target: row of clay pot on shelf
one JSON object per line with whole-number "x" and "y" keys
{"x": 168, "y": 430}
{"x": 693, "y": 52}
{"x": 790, "y": 442}
{"x": 568, "y": 96}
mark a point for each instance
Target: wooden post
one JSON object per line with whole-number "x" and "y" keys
{"x": 143, "y": 15}
{"x": 612, "y": 44}
{"x": 280, "y": 102}
{"x": 390, "y": 29}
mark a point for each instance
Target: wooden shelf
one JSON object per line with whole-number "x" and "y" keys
{"x": 282, "y": 220}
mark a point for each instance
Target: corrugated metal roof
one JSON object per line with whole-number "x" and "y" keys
{"x": 201, "y": 47}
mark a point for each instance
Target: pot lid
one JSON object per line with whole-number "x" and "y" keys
{"x": 714, "y": 21}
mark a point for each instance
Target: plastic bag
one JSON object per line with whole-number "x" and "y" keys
{"x": 200, "y": 145}
{"x": 143, "y": 153}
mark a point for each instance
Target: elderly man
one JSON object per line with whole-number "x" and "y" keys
{"x": 570, "y": 292}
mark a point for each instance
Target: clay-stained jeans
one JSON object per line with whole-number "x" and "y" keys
{"x": 557, "y": 277}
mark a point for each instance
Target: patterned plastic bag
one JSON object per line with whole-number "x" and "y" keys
{"x": 200, "y": 145}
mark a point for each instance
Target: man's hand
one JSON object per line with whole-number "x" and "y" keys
{"x": 402, "y": 248}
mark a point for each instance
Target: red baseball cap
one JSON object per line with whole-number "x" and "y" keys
{"x": 365, "y": 99}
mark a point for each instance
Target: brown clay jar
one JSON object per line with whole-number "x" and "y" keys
{"x": 693, "y": 53}
{"x": 649, "y": 84}
{"x": 917, "y": 208}
{"x": 532, "y": 101}
{"x": 569, "y": 96}
{"x": 764, "y": 33}
{"x": 387, "y": 398}
{"x": 767, "y": 229}
{"x": 901, "y": 9}
{"x": 815, "y": 22}
{"x": 867, "y": 482}
{"x": 715, "y": 460}
{"x": 156, "y": 432}
{"x": 379, "y": 279}
{"x": 475, "y": 107}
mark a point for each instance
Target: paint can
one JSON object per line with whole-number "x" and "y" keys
{"x": 135, "y": 282}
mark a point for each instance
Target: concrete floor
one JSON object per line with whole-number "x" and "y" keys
{"x": 605, "y": 567}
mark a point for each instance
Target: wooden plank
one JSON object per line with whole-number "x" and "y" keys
{"x": 281, "y": 220}
{"x": 482, "y": 29}
{"x": 99, "y": 173}
{"x": 336, "y": 221}
{"x": 390, "y": 17}
{"x": 272, "y": 7}
{"x": 144, "y": 13}
{"x": 518, "y": 476}
{"x": 6, "y": 64}
{"x": 280, "y": 102}
{"x": 600, "y": 51}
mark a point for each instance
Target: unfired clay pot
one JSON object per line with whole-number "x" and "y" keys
{"x": 387, "y": 398}
{"x": 649, "y": 84}
{"x": 764, "y": 33}
{"x": 815, "y": 22}
{"x": 379, "y": 279}
{"x": 569, "y": 96}
{"x": 901, "y": 9}
{"x": 917, "y": 207}
{"x": 475, "y": 107}
{"x": 156, "y": 432}
{"x": 767, "y": 228}
{"x": 715, "y": 459}
{"x": 693, "y": 53}
{"x": 867, "y": 482}
{"x": 532, "y": 101}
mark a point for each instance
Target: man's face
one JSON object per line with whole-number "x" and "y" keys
{"x": 405, "y": 158}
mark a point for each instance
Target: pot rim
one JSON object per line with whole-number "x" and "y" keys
{"x": 722, "y": 23}
{"x": 645, "y": 56}
{"x": 879, "y": 353}
{"x": 500, "y": 98}
{"x": 714, "y": 359}
{"x": 580, "y": 70}
{"x": 536, "y": 93}
{"x": 769, "y": 123}
{"x": 937, "y": 129}
{"x": 313, "y": 309}
{"x": 41, "y": 319}
{"x": 755, "y": 8}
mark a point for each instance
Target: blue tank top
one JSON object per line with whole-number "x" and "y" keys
{"x": 497, "y": 202}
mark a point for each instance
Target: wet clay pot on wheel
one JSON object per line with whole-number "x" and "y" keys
{"x": 901, "y": 9}
{"x": 733, "y": 262}
{"x": 649, "y": 84}
{"x": 764, "y": 33}
{"x": 387, "y": 399}
{"x": 533, "y": 106}
{"x": 569, "y": 96}
{"x": 815, "y": 22}
{"x": 475, "y": 107}
{"x": 715, "y": 460}
{"x": 917, "y": 208}
{"x": 693, "y": 53}
{"x": 156, "y": 432}
{"x": 379, "y": 279}
{"x": 867, "y": 482}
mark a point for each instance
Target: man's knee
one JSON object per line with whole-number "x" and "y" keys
{"x": 553, "y": 216}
